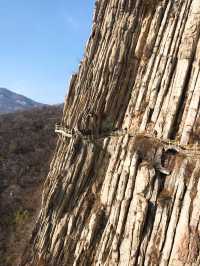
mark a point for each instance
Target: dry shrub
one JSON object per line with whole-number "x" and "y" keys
{"x": 164, "y": 197}
{"x": 146, "y": 146}
{"x": 150, "y": 6}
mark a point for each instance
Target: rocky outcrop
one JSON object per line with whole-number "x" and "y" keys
{"x": 125, "y": 200}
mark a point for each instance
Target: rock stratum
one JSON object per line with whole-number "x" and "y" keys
{"x": 128, "y": 199}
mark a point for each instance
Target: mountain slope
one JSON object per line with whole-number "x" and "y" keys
{"x": 132, "y": 198}
{"x": 27, "y": 140}
{"x": 11, "y": 102}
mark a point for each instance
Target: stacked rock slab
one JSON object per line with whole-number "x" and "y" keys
{"x": 105, "y": 202}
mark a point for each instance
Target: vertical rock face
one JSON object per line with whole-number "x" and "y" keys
{"x": 133, "y": 198}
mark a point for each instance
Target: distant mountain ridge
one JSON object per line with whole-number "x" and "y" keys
{"x": 12, "y": 102}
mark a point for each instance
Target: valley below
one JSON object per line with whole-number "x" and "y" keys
{"x": 27, "y": 141}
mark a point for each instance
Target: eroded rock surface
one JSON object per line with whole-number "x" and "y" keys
{"x": 107, "y": 202}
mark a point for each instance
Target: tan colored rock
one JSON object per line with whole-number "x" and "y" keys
{"x": 141, "y": 72}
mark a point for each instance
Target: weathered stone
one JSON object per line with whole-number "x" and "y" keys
{"x": 130, "y": 200}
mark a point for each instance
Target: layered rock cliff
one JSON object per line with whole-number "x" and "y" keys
{"x": 129, "y": 198}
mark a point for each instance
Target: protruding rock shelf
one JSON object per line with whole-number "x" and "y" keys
{"x": 118, "y": 201}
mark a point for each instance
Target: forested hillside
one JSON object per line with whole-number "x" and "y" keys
{"x": 27, "y": 140}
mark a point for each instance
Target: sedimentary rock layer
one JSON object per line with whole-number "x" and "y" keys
{"x": 107, "y": 202}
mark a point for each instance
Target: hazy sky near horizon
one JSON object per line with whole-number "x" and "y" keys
{"x": 42, "y": 43}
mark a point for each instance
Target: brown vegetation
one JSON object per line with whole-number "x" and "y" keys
{"x": 26, "y": 139}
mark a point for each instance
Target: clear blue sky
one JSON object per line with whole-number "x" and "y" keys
{"x": 42, "y": 42}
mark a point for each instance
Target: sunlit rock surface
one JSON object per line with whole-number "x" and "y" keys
{"x": 107, "y": 202}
